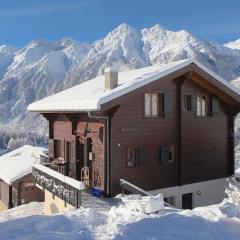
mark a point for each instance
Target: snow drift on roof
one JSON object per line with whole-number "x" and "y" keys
{"x": 18, "y": 163}
{"x": 90, "y": 95}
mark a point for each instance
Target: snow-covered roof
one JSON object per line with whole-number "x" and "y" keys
{"x": 90, "y": 95}
{"x": 18, "y": 163}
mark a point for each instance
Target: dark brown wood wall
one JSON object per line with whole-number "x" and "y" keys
{"x": 204, "y": 141}
{"x": 148, "y": 133}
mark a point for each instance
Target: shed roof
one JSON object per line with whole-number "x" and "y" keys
{"x": 18, "y": 163}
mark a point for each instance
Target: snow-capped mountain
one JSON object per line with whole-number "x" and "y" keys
{"x": 42, "y": 68}
{"x": 233, "y": 44}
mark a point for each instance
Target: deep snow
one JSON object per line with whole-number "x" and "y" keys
{"x": 128, "y": 221}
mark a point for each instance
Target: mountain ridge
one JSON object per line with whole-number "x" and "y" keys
{"x": 42, "y": 67}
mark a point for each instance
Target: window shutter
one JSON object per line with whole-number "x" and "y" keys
{"x": 215, "y": 105}
{"x": 51, "y": 148}
{"x": 164, "y": 154}
{"x": 182, "y": 103}
{"x": 73, "y": 152}
{"x": 141, "y": 156}
{"x": 167, "y": 104}
{"x": 194, "y": 103}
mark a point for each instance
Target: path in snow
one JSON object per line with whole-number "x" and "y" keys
{"x": 100, "y": 204}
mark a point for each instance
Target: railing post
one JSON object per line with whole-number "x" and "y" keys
{"x": 79, "y": 198}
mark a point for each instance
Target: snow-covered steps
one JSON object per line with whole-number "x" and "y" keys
{"x": 100, "y": 204}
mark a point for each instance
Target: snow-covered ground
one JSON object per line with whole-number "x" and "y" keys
{"x": 125, "y": 221}
{"x": 33, "y": 208}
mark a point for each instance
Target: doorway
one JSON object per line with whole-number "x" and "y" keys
{"x": 86, "y": 170}
{"x": 187, "y": 201}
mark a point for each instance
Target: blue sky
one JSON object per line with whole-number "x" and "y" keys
{"x": 87, "y": 20}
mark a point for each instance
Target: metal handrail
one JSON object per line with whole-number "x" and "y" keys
{"x": 137, "y": 190}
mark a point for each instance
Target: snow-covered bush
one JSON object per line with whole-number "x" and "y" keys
{"x": 233, "y": 191}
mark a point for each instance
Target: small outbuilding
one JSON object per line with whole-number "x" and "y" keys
{"x": 16, "y": 184}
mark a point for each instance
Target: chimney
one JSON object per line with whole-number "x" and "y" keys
{"x": 111, "y": 78}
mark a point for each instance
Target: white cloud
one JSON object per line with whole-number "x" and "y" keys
{"x": 41, "y": 9}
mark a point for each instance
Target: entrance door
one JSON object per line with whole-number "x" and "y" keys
{"x": 86, "y": 172}
{"x": 187, "y": 201}
{"x": 73, "y": 163}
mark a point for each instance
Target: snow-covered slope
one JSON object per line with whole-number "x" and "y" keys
{"x": 233, "y": 44}
{"x": 33, "y": 208}
{"x": 124, "y": 222}
{"x": 42, "y": 67}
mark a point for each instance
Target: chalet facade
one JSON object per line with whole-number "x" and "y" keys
{"x": 16, "y": 182}
{"x": 167, "y": 128}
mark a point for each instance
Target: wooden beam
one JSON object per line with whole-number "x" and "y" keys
{"x": 10, "y": 203}
{"x": 179, "y": 83}
{"x": 204, "y": 83}
{"x": 231, "y": 144}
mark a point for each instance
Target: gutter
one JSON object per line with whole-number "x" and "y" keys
{"x": 107, "y": 157}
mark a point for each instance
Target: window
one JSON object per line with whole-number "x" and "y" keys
{"x": 169, "y": 200}
{"x": 158, "y": 104}
{"x": 187, "y": 201}
{"x": 201, "y": 106}
{"x": 135, "y": 156}
{"x": 141, "y": 155}
{"x": 131, "y": 157}
{"x": 214, "y": 106}
{"x": 58, "y": 148}
{"x": 151, "y": 104}
{"x": 167, "y": 154}
{"x": 187, "y": 102}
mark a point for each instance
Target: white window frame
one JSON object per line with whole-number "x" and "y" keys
{"x": 149, "y": 109}
{"x": 202, "y": 101}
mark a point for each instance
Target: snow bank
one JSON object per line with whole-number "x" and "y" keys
{"x": 33, "y": 208}
{"x": 126, "y": 222}
{"x": 148, "y": 204}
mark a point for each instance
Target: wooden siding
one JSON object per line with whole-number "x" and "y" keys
{"x": 143, "y": 132}
{"x": 204, "y": 140}
{"x": 203, "y": 146}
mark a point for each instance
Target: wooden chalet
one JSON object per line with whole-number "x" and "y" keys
{"x": 165, "y": 128}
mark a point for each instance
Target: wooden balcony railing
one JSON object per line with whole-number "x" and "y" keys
{"x": 45, "y": 159}
{"x": 66, "y": 188}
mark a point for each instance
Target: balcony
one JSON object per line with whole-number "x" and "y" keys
{"x": 45, "y": 159}
{"x": 66, "y": 188}
{"x": 57, "y": 164}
